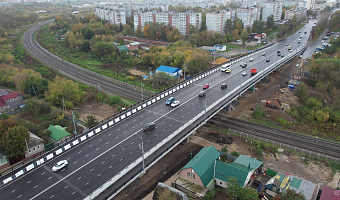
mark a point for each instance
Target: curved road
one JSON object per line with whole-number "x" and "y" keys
{"x": 96, "y": 160}
{"x": 76, "y": 73}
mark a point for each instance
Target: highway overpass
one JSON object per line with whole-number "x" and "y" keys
{"x": 110, "y": 153}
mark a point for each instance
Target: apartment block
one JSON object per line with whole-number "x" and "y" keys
{"x": 216, "y": 21}
{"x": 113, "y": 16}
{"x": 272, "y": 8}
{"x": 248, "y": 15}
{"x": 298, "y": 12}
{"x": 177, "y": 20}
{"x": 311, "y": 4}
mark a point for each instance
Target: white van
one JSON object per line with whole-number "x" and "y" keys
{"x": 224, "y": 67}
{"x": 251, "y": 59}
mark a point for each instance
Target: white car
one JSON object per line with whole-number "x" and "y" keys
{"x": 174, "y": 104}
{"x": 297, "y": 65}
{"x": 264, "y": 53}
{"x": 251, "y": 59}
{"x": 322, "y": 41}
{"x": 290, "y": 51}
{"x": 244, "y": 73}
{"x": 61, "y": 164}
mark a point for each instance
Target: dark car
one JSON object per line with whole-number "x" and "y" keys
{"x": 149, "y": 126}
{"x": 224, "y": 86}
{"x": 278, "y": 54}
{"x": 268, "y": 60}
{"x": 201, "y": 94}
{"x": 278, "y": 51}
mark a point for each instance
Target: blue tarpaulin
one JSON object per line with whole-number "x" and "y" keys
{"x": 291, "y": 87}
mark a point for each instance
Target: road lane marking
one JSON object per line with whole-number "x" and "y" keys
{"x": 79, "y": 178}
{"x": 99, "y": 174}
{"x": 51, "y": 196}
{"x": 28, "y": 181}
{"x": 91, "y": 170}
{"x": 35, "y": 186}
{"x": 86, "y": 183}
{"x": 13, "y": 191}
{"x": 19, "y": 196}
{"x": 74, "y": 192}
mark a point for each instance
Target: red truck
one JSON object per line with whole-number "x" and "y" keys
{"x": 253, "y": 71}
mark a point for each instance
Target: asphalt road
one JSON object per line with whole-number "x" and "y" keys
{"x": 96, "y": 160}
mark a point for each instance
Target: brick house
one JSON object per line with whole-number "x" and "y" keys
{"x": 35, "y": 146}
{"x": 10, "y": 101}
{"x": 132, "y": 46}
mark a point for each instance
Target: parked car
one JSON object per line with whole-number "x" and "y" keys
{"x": 206, "y": 86}
{"x": 149, "y": 126}
{"x": 61, "y": 164}
{"x": 170, "y": 101}
{"x": 224, "y": 86}
{"x": 174, "y": 104}
{"x": 201, "y": 94}
{"x": 268, "y": 60}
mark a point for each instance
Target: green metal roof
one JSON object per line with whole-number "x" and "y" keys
{"x": 245, "y": 160}
{"x": 58, "y": 132}
{"x": 122, "y": 48}
{"x": 203, "y": 163}
{"x": 224, "y": 171}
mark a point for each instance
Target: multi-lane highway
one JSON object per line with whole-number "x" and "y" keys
{"x": 96, "y": 160}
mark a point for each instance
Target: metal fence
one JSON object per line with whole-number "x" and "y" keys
{"x": 282, "y": 145}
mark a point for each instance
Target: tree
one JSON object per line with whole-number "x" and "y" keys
{"x": 139, "y": 31}
{"x": 228, "y": 26}
{"x": 31, "y": 108}
{"x": 292, "y": 195}
{"x": 71, "y": 40}
{"x": 102, "y": 49}
{"x": 13, "y": 141}
{"x": 90, "y": 120}
{"x": 270, "y": 21}
{"x": 244, "y": 36}
{"x": 204, "y": 22}
{"x": 86, "y": 46}
{"x": 64, "y": 90}
{"x": 193, "y": 29}
{"x": 235, "y": 34}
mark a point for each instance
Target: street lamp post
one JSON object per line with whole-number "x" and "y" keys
{"x": 142, "y": 152}
{"x": 205, "y": 109}
{"x": 141, "y": 89}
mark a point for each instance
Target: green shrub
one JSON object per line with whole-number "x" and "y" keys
{"x": 259, "y": 152}
{"x": 258, "y": 111}
{"x": 224, "y": 149}
{"x": 281, "y": 121}
{"x": 235, "y": 153}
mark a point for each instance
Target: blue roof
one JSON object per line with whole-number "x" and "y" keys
{"x": 168, "y": 69}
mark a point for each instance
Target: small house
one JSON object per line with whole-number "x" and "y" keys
{"x": 58, "y": 134}
{"x": 132, "y": 46}
{"x": 122, "y": 48}
{"x": 171, "y": 71}
{"x": 35, "y": 146}
{"x": 10, "y": 101}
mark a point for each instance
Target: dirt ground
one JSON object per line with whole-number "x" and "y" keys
{"x": 206, "y": 136}
{"x": 137, "y": 72}
{"x": 98, "y": 109}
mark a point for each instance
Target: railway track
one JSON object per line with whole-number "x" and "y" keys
{"x": 313, "y": 144}
{"x": 76, "y": 72}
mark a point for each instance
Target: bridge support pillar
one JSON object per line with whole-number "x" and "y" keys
{"x": 229, "y": 107}
{"x": 187, "y": 139}
{"x": 254, "y": 88}
{"x": 266, "y": 78}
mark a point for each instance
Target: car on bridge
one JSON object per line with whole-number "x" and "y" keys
{"x": 224, "y": 86}
{"x": 282, "y": 55}
{"x": 268, "y": 60}
{"x": 174, "y": 104}
{"x": 244, "y": 73}
{"x": 61, "y": 164}
{"x": 228, "y": 70}
{"x": 278, "y": 54}
{"x": 170, "y": 101}
{"x": 264, "y": 53}
{"x": 201, "y": 94}
{"x": 149, "y": 126}
{"x": 244, "y": 65}
{"x": 206, "y": 86}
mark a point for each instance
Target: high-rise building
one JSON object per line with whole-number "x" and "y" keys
{"x": 310, "y": 4}
{"x": 178, "y": 20}
{"x": 216, "y": 21}
{"x": 272, "y": 8}
{"x": 113, "y": 16}
{"x": 248, "y": 15}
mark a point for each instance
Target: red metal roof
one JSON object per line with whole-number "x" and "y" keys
{"x": 10, "y": 96}
{"x": 2, "y": 102}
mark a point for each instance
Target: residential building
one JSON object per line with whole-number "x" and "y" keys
{"x": 272, "y": 8}
{"x": 299, "y": 12}
{"x": 329, "y": 194}
{"x": 310, "y": 4}
{"x": 113, "y": 16}
{"x": 204, "y": 171}
{"x": 248, "y": 15}
{"x": 171, "y": 71}
{"x": 290, "y": 3}
{"x": 132, "y": 46}
{"x": 178, "y": 20}
{"x": 10, "y": 101}
{"x": 35, "y": 146}
{"x": 216, "y": 21}
{"x": 58, "y": 134}
{"x": 122, "y": 48}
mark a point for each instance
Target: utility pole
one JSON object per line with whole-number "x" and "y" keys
{"x": 205, "y": 109}
{"x": 74, "y": 124}
{"x": 142, "y": 152}
{"x": 34, "y": 90}
{"x": 141, "y": 89}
